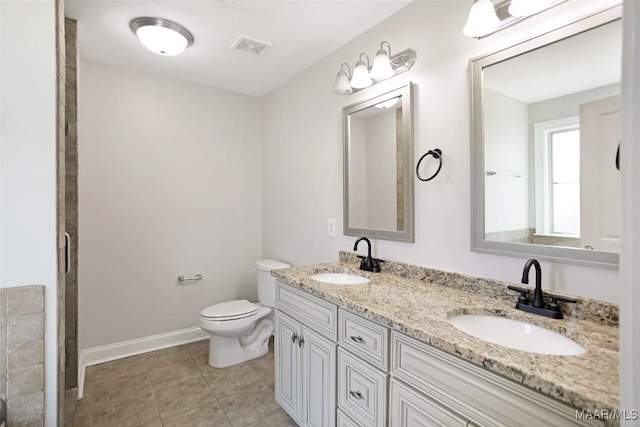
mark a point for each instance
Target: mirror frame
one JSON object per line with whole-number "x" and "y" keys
{"x": 568, "y": 255}
{"x": 406, "y": 235}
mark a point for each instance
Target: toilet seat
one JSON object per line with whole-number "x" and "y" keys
{"x": 229, "y": 310}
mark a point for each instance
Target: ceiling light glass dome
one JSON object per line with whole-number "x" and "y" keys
{"x": 161, "y": 36}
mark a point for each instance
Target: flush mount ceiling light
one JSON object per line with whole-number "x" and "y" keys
{"x": 489, "y": 16}
{"x": 161, "y": 36}
{"x": 384, "y": 67}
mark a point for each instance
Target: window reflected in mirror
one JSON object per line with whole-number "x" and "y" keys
{"x": 551, "y": 130}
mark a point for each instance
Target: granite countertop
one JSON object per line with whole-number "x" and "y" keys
{"x": 420, "y": 309}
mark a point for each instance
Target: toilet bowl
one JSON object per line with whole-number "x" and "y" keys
{"x": 239, "y": 330}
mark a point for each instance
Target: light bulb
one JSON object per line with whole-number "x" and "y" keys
{"x": 482, "y": 19}
{"x": 361, "y": 78}
{"x": 381, "y": 66}
{"x": 342, "y": 86}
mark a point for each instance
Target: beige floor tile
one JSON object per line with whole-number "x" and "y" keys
{"x": 234, "y": 379}
{"x": 249, "y": 407}
{"x": 202, "y": 416}
{"x": 167, "y": 356}
{"x": 128, "y": 410}
{"x": 89, "y": 381}
{"x": 84, "y": 412}
{"x": 117, "y": 389}
{"x": 199, "y": 348}
{"x": 265, "y": 370}
{"x": 175, "y": 373}
{"x": 278, "y": 418}
{"x": 82, "y": 420}
{"x": 118, "y": 369}
{"x": 202, "y": 361}
{"x": 154, "y": 423}
{"x": 184, "y": 396}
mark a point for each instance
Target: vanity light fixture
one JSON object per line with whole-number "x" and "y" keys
{"x": 384, "y": 67}
{"x": 161, "y": 36}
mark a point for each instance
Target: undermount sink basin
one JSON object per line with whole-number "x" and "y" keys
{"x": 340, "y": 278}
{"x": 517, "y": 335}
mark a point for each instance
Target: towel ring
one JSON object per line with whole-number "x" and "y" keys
{"x": 437, "y": 154}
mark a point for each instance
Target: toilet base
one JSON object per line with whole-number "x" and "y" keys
{"x": 228, "y": 351}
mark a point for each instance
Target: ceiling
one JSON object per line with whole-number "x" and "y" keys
{"x": 589, "y": 60}
{"x": 302, "y": 32}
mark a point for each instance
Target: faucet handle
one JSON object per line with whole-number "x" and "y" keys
{"x": 554, "y": 306}
{"x": 524, "y": 294}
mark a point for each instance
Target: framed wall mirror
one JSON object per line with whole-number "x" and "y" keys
{"x": 545, "y": 136}
{"x": 378, "y": 167}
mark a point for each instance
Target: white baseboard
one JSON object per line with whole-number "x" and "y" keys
{"x": 119, "y": 350}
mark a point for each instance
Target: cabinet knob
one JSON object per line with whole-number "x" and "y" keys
{"x": 357, "y": 339}
{"x": 356, "y": 394}
{"x": 300, "y": 341}
{"x": 294, "y": 337}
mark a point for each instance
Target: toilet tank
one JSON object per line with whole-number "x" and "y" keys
{"x": 266, "y": 282}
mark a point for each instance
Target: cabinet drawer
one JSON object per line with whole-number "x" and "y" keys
{"x": 345, "y": 421}
{"x": 410, "y": 408}
{"x": 364, "y": 338}
{"x": 312, "y": 311}
{"x": 362, "y": 390}
{"x": 482, "y": 397}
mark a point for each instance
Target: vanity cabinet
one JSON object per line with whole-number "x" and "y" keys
{"x": 305, "y": 359}
{"x": 336, "y": 368}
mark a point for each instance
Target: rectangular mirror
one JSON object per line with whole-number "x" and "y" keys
{"x": 545, "y": 136}
{"x": 378, "y": 167}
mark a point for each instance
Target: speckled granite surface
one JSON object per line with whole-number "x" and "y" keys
{"x": 418, "y": 301}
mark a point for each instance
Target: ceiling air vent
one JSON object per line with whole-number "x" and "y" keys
{"x": 251, "y": 46}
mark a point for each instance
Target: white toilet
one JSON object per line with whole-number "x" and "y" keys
{"x": 240, "y": 330}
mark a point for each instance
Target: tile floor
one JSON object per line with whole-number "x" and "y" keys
{"x": 176, "y": 387}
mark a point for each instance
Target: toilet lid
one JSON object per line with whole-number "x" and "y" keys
{"x": 230, "y": 310}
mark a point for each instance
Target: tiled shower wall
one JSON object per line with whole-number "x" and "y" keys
{"x": 22, "y": 355}
{"x": 71, "y": 203}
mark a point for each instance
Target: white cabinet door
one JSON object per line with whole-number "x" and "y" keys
{"x": 288, "y": 370}
{"x": 318, "y": 380}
